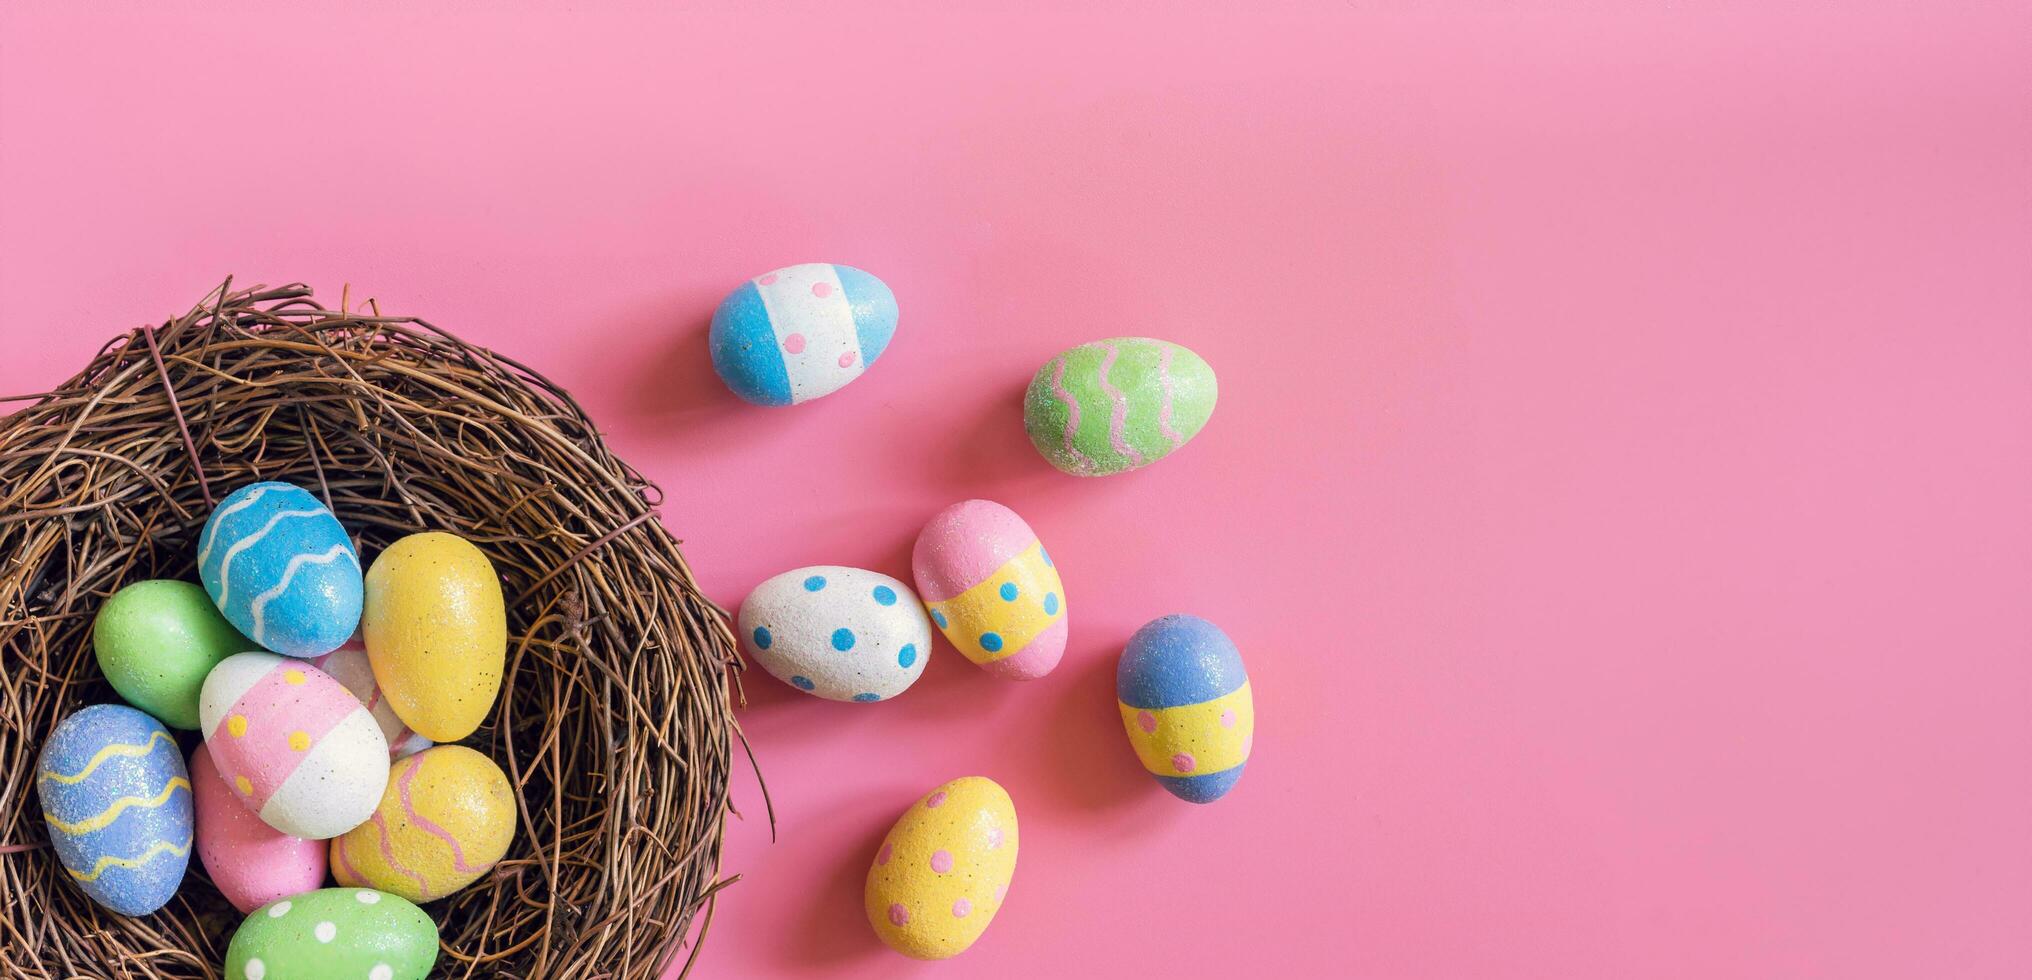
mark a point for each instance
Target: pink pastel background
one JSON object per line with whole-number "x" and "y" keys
{"x": 1619, "y": 488}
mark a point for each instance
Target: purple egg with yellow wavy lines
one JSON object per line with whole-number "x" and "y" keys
{"x": 1117, "y": 405}
{"x": 117, "y": 801}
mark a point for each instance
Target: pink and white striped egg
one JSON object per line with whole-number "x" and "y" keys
{"x": 349, "y": 666}
{"x": 294, "y": 744}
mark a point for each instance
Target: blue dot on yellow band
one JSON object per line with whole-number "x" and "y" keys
{"x": 991, "y": 642}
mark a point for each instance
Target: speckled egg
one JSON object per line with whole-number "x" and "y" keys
{"x": 349, "y": 666}
{"x": 437, "y": 633}
{"x": 117, "y": 802}
{"x": 944, "y": 869}
{"x": 1117, "y": 405}
{"x": 281, "y": 569}
{"x": 845, "y": 634}
{"x": 156, "y": 640}
{"x": 448, "y": 814}
{"x": 334, "y": 933}
{"x": 251, "y": 863}
{"x": 992, "y": 589}
{"x": 801, "y": 332}
{"x": 295, "y": 746}
{"x": 1186, "y": 705}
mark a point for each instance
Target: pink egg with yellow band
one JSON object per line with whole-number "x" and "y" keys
{"x": 992, "y": 589}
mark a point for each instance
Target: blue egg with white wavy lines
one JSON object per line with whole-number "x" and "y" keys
{"x": 117, "y": 801}
{"x": 801, "y": 332}
{"x": 281, "y": 569}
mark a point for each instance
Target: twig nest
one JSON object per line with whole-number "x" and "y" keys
{"x": 613, "y": 724}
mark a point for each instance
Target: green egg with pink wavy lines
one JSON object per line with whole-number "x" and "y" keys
{"x": 1117, "y": 405}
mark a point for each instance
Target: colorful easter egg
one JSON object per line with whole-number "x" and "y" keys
{"x": 944, "y": 869}
{"x": 801, "y": 332}
{"x": 296, "y": 747}
{"x": 448, "y": 814}
{"x": 280, "y": 567}
{"x": 349, "y": 666}
{"x": 844, "y": 634}
{"x": 156, "y": 641}
{"x": 1186, "y": 705}
{"x": 437, "y": 633}
{"x": 251, "y": 863}
{"x": 1116, "y": 405}
{"x": 992, "y": 589}
{"x": 332, "y": 933}
{"x": 117, "y": 802}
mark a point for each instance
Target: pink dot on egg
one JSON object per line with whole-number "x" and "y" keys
{"x": 1146, "y": 721}
{"x": 898, "y": 915}
{"x": 1228, "y": 718}
{"x": 768, "y": 280}
{"x": 794, "y": 343}
{"x": 1183, "y": 762}
{"x": 936, "y": 800}
{"x": 961, "y": 907}
{"x": 883, "y": 857}
{"x": 821, "y": 289}
{"x": 847, "y": 359}
{"x": 1001, "y": 891}
{"x": 941, "y": 861}
{"x": 994, "y": 838}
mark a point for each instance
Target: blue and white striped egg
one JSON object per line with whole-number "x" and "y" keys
{"x": 117, "y": 800}
{"x": 281, "y": 569}
{"x": 844, "y": 634}
{"x": 801, "y": 332}
{"x": 1187, "y": 707}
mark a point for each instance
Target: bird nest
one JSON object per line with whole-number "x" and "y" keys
{"x": 614, "y": 722}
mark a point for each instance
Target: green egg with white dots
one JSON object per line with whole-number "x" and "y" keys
{"x": 334, "y": 933}
{"x": 156, "y": 640}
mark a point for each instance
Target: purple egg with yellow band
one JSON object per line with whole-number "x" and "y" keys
{"x": 1187, "y": 707}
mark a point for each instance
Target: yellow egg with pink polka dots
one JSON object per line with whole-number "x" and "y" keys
{"x": 294, "y": 744}
{"x": 944, "y": 870}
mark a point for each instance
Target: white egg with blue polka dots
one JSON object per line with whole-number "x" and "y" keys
{"x": 844, "y": 634}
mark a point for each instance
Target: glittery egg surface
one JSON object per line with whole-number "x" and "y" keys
{"x": 944, "y": 870}
{"x": 992, "y": 589}
{"x": 281, "y": 569}
{"x": 334, "y": 933}
{"x": 295, "y": 746}
{"x": 251, "y": 863}
{"x": 844, "y": 634}
{"x": 117, "y": 801}
{"x": 1186, "y": 705}
{"x": 448, "y": 814}
{"x": 801, "y": 332}
{"x": 436, "y": 628}
{"x": 1117, "y": 405}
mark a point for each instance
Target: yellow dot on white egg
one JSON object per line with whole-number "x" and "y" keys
{"x": 236, "y": 726}
{"x": 299, "y": 740}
